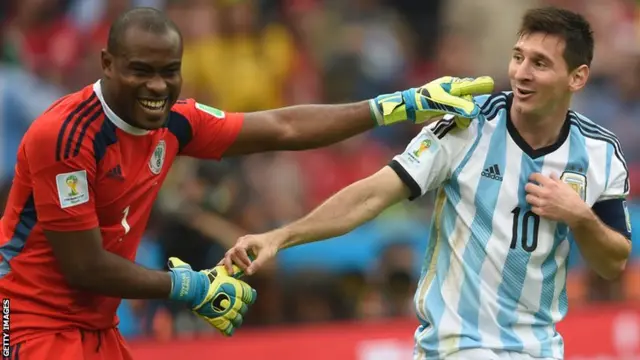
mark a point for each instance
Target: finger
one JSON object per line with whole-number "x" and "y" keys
{"x": 175, "y": 263}
{"x": 236, "y": 320}
{"x": 539, "y": 178}
{"x": 534, "y": 200}
{"x": 239, "y": 266}
{"x": 242, "y": 257}
{"x": 257, "y": 264}
{"x": 248, "y": 294}
{"x": 534, "y": 189}
{"x": 537, "y": 210}
{"x": 243, "y": 309}
{"x": 478, "y": 86}
{"x": 228, "y": 263}
{"x": 554, "y": 176}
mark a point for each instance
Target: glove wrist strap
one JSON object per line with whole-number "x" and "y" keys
{"x": 376, "y": 115}
{"x": 186, "y": 286}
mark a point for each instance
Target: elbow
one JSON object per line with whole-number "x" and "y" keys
{"x": 614, "y": 271}
{"x": 81, "y": 275}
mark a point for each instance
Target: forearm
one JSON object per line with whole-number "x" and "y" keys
{"x": 340, "y": 214}
{"x": 605, "y": 250}
{"x": 313, "y": 126}
{"x": 112, "y": 275}
{"x": 347, "y": 209}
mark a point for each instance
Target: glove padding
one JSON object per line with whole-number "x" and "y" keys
{"x": 212, "y": 294}
{"x": 446, "y": 95}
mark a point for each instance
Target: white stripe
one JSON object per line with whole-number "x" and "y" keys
{"x": 596, "y": 174}
{"x": 498, "y": 247}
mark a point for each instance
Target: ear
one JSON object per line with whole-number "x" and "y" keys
{"x": 578, "y": 78}
{"x": 107, "y": 62}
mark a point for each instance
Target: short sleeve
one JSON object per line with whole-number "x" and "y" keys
{"x": 204, "y": 132}
{"x": 63, "y": 189}
{"x": 611, "y": 206}
{"x": 429, "y": 158}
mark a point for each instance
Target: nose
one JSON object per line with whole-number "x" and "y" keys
{"x": 157, "y": 85}
{"x": 523, "y": 71}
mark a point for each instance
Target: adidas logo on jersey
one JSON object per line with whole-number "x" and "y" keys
{"x": 492, "y": 172}
{"x": 115, "y": 173}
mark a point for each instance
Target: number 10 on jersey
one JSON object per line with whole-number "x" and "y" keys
{"x": 526, "y": 225}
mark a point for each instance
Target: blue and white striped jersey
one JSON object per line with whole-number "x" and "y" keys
{"x": 494, "y": 276}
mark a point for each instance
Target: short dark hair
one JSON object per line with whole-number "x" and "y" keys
{"x": 146, "y": 18}
{"x": 571, "y": 26}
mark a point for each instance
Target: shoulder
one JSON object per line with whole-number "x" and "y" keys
{"x": 588, "y": 128}
{"x": 190, "y": 108}
{"x": 492, "y": 103}
{"x": 70, "y": 122}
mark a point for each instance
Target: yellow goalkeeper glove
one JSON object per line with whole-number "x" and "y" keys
{"x": 446, "y": 95}
{"x": 212, "y": 294}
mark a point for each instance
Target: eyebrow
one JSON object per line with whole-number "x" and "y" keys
{"x": 536, "y": 54}
{"x": 142, "y": 64}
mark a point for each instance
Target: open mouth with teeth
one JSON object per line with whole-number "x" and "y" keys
{"x": 153, "y": 105}
{"x": 524, "y": 92}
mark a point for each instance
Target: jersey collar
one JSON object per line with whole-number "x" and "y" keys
{"x": 115, "y": 119}
{"x": 522, "y": 143}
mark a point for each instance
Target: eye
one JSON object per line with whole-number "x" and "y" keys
{"x": 540, "y": 64}
{"x": 517, "y": 57}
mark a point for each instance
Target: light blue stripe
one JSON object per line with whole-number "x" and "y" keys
{"x": 26, "y": 222}
{"x": 578, "y": 162}
{"x": 516, "y": 263}
{"x": 434, "y": 300}
{"x": 486, "y": 197}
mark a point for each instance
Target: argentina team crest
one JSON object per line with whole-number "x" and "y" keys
{"x": 577, "y": 181}
{"x": 157, "y": 158}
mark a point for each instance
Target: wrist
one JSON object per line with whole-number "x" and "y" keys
{"x": 187, "y": 286}
{"x": 376, "y": 113}
{"x": 580, "y": 217}
{"x": 285, "y": 238}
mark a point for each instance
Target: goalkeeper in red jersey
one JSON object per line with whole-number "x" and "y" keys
{"x": 90, "y": 168}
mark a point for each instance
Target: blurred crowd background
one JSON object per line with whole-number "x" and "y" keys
{"x": 253, "y": 55}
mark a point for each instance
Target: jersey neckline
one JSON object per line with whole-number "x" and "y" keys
{"x": 115, "y": 119}
{"x": 524, "y": 146}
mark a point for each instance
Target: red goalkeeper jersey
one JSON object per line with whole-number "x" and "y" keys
{"x": 79, "y": 166}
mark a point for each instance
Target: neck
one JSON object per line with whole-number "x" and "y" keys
{"x": 539, "y": 130}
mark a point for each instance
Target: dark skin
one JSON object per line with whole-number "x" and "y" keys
{"x": 147, "y": 67}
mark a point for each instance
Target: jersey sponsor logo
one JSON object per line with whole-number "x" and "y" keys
{"x": 73, "y": 188}
{"x": 157, "y": 158}
{"x": 210, "y": 110}
{"x": 492, "y": 172}
{"x": 577, "y": 181}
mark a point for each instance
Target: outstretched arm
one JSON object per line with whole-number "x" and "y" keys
{"x": 341, "y": 213}
{"x": 311, "y": 126}
{"x": 346, "y": 210}
{"x": 301, "y": 127}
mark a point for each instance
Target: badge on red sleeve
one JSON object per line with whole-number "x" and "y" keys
{"x": 210, "y": 110}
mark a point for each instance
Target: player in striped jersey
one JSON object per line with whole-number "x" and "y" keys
{"x": 509, "y": 189}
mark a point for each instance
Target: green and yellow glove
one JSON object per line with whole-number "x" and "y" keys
{"x": 212, "y": 294}
{"x": 446, "y": 95}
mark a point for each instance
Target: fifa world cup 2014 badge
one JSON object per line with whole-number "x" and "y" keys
{"x": 424, "y": 146}
{"x": 72, "y": 183}
{"x": 157, "y": 158}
